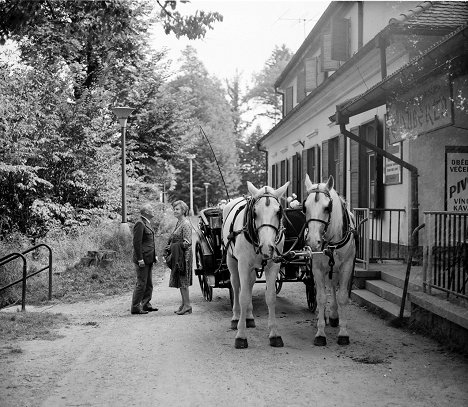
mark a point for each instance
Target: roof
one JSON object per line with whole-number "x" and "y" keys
{"x": 431, "y": 14}
{"x": 449, "y": 51}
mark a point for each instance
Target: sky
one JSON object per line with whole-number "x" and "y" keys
{"x": 248, "y": 34}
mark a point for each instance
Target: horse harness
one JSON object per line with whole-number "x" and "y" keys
{"x": 249, "y": 229}
{"x": 329, "y": 247}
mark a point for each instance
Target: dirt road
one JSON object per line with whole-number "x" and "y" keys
{"x": 108, "y": 357}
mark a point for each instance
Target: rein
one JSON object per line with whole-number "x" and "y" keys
{"x": 250, "y": 230}
{"x": 328, "y": 247}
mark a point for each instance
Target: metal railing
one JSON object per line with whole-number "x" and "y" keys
{"x": 12, "y": 256}
{"x": 445, "y": 260}
{"x": 361, "y": 215}
{"x": 383, "y": 233}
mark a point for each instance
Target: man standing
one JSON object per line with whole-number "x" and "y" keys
{"x": 144, "y": 255}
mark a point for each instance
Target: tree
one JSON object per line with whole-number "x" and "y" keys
{"x": 251, "y": 161}
{"x": 263, "y": 94}
{"x": 209, "y": 110}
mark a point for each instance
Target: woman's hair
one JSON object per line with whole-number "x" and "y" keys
{"x": 183, "y": 205}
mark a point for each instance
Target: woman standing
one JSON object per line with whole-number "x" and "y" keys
{"x": 180, "y": 244}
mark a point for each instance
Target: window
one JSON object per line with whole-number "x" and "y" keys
{"x": 333, "y": 162}
{"x": 297, "y": 180}
{"x": 366, "y": 167}
{"x": 301, "y": 86}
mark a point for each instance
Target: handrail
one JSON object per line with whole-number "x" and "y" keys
{"x": 12, "y": 256}
{"x": 408, "y": 268}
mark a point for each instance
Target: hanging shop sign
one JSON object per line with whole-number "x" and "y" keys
{"x": 392, "y": 170}
{"x": 422, "y": 110}
{"x": 456, "y": 175}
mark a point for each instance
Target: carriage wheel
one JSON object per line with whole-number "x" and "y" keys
{"x": 311, "y": 294}
{"x": 207, "y": 289}
{"x": 279, "y": 281}
{"x": 199, "y": 263}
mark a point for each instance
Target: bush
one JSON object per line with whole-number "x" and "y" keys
{"x": 72, "y": 281}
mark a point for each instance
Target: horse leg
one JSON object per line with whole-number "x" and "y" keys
{"x": 245, "y": 298}
{"x": 320, "y": 337}
{"x": 235, "y": 283}
{"x": 334, "y": 319}
{"x": 345, "y": 275}
{"x": 270, "y": 298}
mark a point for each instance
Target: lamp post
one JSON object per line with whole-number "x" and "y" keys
{"x": 122, "y": 114}
{"x": 206, "y": 184}
{"x": 191, "y": 157}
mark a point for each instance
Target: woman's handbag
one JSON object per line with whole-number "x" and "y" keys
{"x": 168, "y": 256}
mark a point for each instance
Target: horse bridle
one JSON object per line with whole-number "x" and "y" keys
{"x": 252, "y": 230}
{"x": 326, "y": 192}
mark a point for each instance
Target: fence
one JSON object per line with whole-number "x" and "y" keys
{"x": 445, "y": 260}
{"x": 380, "y": 236}
{"x": 12, "y": 256}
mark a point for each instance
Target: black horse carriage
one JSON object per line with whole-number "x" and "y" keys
{"x": 213, "y": 272}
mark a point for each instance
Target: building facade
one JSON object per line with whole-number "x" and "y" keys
{"x": 377, "y": 97}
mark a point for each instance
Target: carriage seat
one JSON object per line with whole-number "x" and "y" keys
{"x": 212, "y": 217}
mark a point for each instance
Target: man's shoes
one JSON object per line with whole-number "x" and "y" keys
{"x": 149, "y": 308}
{"x": 138, "y": 311}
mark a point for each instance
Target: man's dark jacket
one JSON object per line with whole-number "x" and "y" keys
{"x": 143, "y": 242}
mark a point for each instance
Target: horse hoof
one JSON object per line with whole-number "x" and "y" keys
{"x": 320, "y": 341}
{"x": 276, "y": 342}
{"x": 334, "y": 322}
{"x": 250, "y": 323}
{"x": 234, "y": 323}
{"x": 343, "y": 340}
{"x": 241, "y": 343}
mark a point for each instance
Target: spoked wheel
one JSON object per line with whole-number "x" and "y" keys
{"x": 207, "y": 289}
{"x": 279, "y": 281}
{"x": 200, "y": 268}
{"x": 311, "y": 294}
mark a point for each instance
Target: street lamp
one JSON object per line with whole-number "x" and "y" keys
{"x": 122, "y": 114}
{"x": 191, "y": 157}
{"x": 206, "y": 184}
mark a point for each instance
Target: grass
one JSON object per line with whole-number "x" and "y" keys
{"x": 72, "y": 281}
{"x": 30, "y": 325}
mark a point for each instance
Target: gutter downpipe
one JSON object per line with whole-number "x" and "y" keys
{"x": 414, "y": 218}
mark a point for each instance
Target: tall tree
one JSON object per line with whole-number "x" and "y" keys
{"x": 263, "y": 93}
{"x": 210, "y": 111}
{"x": 251, "y": 161}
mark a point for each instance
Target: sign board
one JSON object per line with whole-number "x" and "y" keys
{"x": 422, "y": 110}
{"x": 456, "y": 176}
{"x": 392, "y": 170}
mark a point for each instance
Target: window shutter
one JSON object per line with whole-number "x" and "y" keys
{"x": 317, "y": 163}
{"x": 324, "y": 161}
{"x": 327, "y": 63}
{"x": 340, "y": 39}
{"x": 304, "y": 170}
{"x": 301, "y": 86}
{"x": 310, "y": 74}
{"x": 294, "y": 174}
{"x": 341, "y": 160}
{"x": 354, "y": 167}
{"x": 273, "y": 176}
{"x": 289, "y": 100}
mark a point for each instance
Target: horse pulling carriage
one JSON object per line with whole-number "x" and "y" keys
{"x": 253, "y": 237}
{"x": 212, "y": 270}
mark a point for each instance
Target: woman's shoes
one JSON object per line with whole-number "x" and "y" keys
{"x": 183, "y": 311}
{"x": 179, "y": 309}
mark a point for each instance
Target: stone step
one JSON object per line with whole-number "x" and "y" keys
{"x": 377, "y": 304}
{"x": 398, "y": 280}
{"x": 387, "y": 291}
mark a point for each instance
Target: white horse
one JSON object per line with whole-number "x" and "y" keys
{"x": 330, "y": 227}
{"x": 252, "y": 235}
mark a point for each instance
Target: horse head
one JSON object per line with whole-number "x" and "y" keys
{"x": 318, "y": 207}
{"x": 265, "y": 214}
